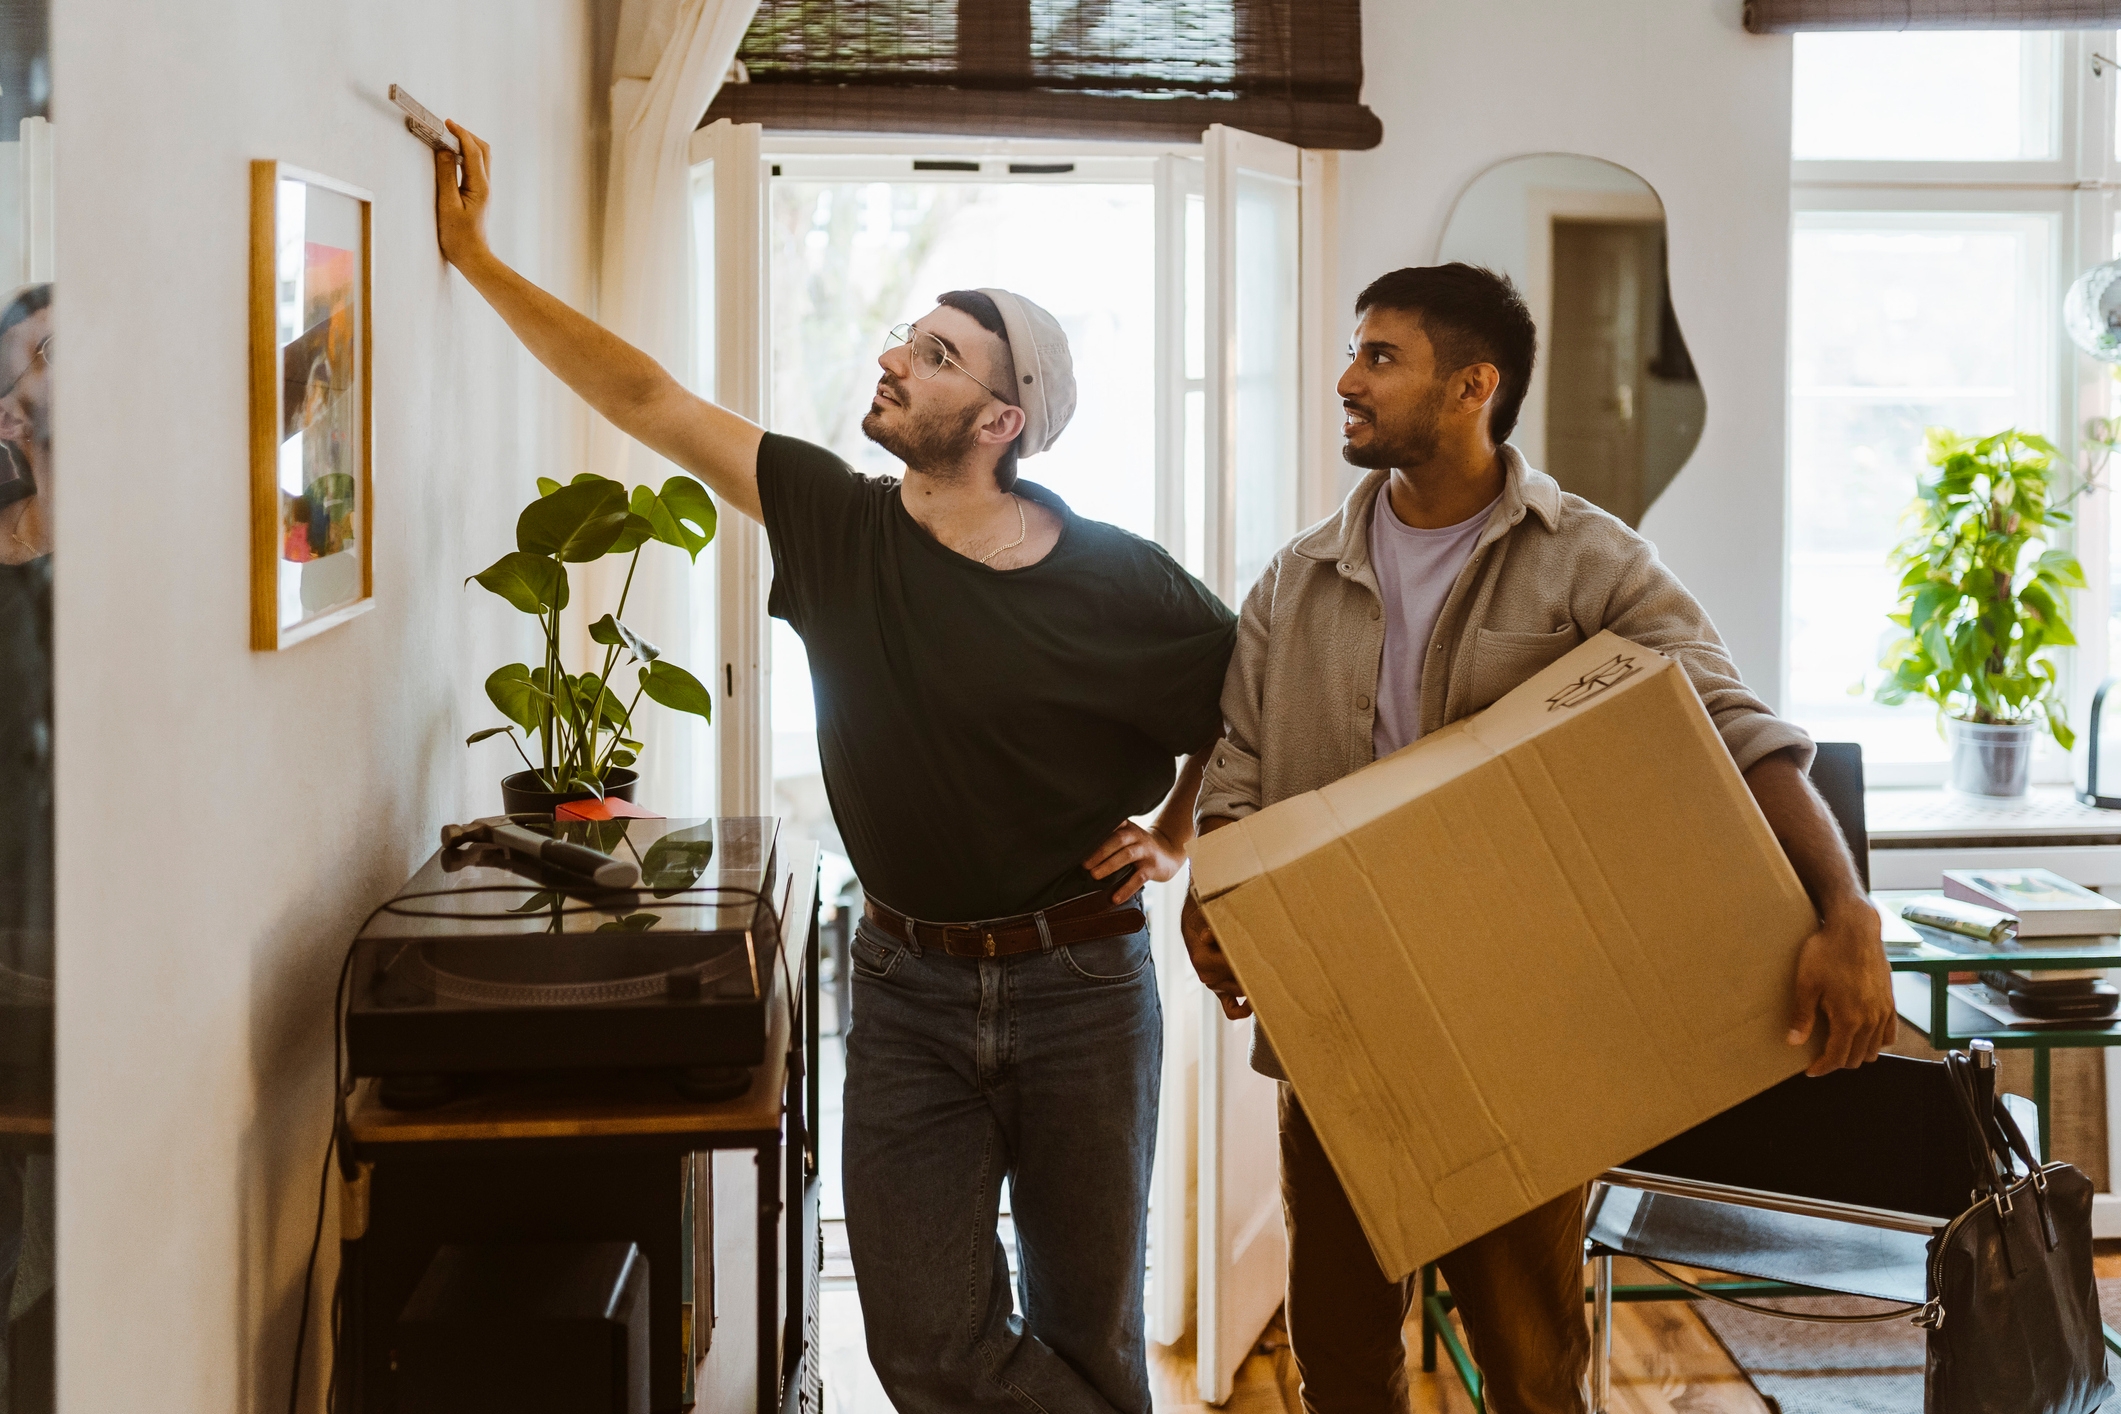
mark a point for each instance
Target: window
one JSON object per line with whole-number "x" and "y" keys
{"x": 1938, "y": 217}
{"x": 1971, "y": 96}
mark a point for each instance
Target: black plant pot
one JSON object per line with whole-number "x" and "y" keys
{"x": 524, "y": 794}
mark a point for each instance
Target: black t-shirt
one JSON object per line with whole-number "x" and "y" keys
{"x": 26, "y": 753}
{"x": 982, "y": 730}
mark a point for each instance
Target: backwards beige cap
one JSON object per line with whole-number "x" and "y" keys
{"x": 1045, "y": 371}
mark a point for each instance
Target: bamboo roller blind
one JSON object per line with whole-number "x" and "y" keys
{"x": 1784, "y": 16}
{"x": 1138, "y": 69}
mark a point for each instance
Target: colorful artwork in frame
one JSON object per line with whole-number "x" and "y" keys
{"x": 312, "y": 523}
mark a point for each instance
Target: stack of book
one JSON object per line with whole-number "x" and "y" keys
{"x": 2052, "y": 915}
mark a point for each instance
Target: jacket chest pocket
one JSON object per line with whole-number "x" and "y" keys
{"x": 1502, "y": 661}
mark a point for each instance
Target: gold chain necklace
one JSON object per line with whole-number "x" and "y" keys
{"x": 14, "y": 533}
{"x": 1021, "y": 532}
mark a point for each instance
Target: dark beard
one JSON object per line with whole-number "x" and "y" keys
{"x": 934, "y": 444}
{"x": 1411, "y": 444}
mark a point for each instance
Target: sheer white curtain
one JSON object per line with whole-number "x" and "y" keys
{"x": 671, "y": 57}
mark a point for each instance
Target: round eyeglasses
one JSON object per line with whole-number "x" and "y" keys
{"x": 40, "y": 354}
{"x": 929, "y": 355}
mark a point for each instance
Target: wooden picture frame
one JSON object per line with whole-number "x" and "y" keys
{"x": 312, "y": 404}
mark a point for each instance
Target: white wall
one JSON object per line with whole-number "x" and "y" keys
{"x": 1675, "y": 91}
{"x": 227, "y": 817}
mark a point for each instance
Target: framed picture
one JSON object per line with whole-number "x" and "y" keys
{"x": 312, "y": 520}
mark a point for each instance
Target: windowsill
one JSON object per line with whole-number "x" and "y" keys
{"x": 1934, "y": 818}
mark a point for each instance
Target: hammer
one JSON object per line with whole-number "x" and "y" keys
{"x": 601, "y": 868}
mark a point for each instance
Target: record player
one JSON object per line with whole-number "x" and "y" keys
{"x": 488, "y": 963}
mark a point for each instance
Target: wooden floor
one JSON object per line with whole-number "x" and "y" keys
{"x": 1665, "y": 1361}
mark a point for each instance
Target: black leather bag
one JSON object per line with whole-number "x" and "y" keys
{"x": 2013, "y": 1315}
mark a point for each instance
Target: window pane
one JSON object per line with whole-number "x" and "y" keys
{"x": 1196, "y": 287}
{"x": 1898, "y": 322}
{"x": 2113, "y": 560}
{"x": 1976, "y": 96}
{"x": 1267, "y": 375}
{"x": 703, "y": 326}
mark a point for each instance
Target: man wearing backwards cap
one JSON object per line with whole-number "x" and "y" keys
{"x": 998, "y": 682}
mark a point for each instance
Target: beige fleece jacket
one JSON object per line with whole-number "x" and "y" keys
{"x": 1549, "y": 571}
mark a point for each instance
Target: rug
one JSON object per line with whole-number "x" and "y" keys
{"x": 1811, "y": 1369}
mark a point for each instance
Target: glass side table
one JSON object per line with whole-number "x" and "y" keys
{"x": 1921, "y": 991}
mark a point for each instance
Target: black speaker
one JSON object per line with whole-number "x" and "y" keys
{"x": 522, "y": 1328}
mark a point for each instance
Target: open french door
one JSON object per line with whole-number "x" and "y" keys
{"x": 729, "y": 366}
{"x": 1267, "y": 300}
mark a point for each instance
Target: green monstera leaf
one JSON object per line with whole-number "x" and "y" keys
{"x": 681, "y": 514}
{"x": 532, "y": 583}
{"x": 592, "y": 694}
{"x": 677, "y": 689}
{"x": 576, "y": 523}
{"x": 609, "y": 630}
{"x": 520, "y": 699}
{"x": 635, "y": 533}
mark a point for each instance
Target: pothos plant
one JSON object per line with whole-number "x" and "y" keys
{"x": 583, "y": 729}
{"x": 1984, "y": 584}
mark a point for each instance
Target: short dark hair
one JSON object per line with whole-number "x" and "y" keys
{"x": 27, "y": 301}
{"x": 1471, "y": 315}
{"x": 989, "y": 315}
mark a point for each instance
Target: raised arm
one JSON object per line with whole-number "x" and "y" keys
{"x": 632, "y": 390}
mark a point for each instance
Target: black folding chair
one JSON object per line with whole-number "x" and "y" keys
{"x": 1818, "y": 1187}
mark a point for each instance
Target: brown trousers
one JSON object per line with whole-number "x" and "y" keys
{"x": 1519, "y": 1291}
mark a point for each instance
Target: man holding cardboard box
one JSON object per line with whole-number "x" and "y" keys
{"x": 1451, "y": 575}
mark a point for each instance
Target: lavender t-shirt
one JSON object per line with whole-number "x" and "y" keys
{"x": 1415, "y": 571}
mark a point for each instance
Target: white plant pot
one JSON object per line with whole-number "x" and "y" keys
{"x": 1990, "y": 760}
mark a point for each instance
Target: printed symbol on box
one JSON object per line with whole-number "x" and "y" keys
{"x": 1609, "y": 674}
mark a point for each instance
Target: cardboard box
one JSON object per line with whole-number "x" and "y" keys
{"x": 1525, "y": 949}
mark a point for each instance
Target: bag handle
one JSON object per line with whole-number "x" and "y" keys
{"x": 1982, "y": 1133}
{"x": 1995, "y": 1171}
{"x": 1911, "y": 1313}
{"x": 2007, "y": 1124}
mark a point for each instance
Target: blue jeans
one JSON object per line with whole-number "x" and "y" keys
{"x": 1041, "y": 1068}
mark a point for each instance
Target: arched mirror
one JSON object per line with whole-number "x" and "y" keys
{"x": 1615, "y": 408}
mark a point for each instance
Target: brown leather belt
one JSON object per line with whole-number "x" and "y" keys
{"x": 1083, "y": 919}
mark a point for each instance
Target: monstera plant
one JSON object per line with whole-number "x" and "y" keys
{"x": 582, "y": 723}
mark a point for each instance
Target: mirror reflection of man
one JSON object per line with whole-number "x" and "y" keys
{"x": 1000, "y": 684}
{"x": 1452, "y": 573}
{"x": 26, "y": 1209}
{"x": 25, "y": 426}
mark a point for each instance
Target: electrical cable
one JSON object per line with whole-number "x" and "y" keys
{"x": 338, "y": 1118}
{"x": 340, "y": 1088}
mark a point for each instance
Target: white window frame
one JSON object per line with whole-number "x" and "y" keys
{"x": 2078, "y": 187}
